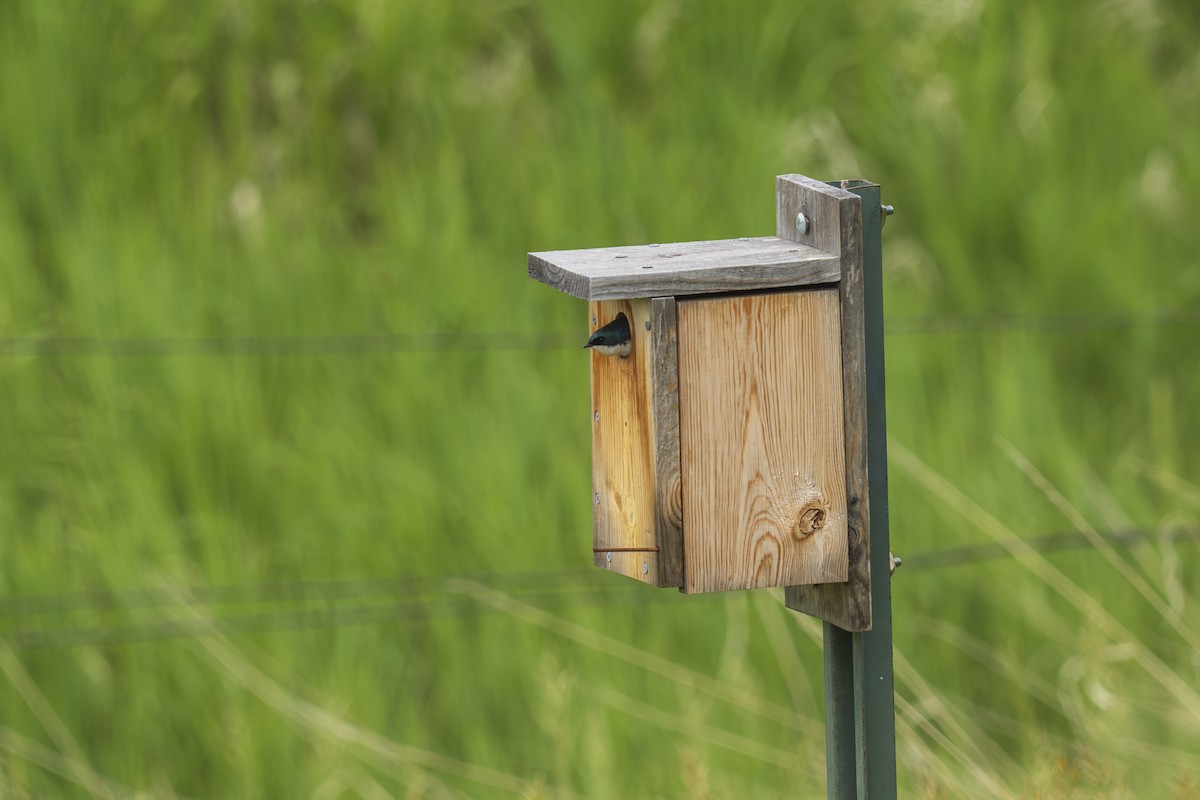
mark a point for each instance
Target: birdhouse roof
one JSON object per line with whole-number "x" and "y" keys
{"x": 656, "y": 270}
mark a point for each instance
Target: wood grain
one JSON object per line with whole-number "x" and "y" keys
{"x": 838, "y": 226}
{"x": 761, "y": 440}
{"x": 687, "y": 268}
{"x": 820, "y": 203}
{"x": 632, "y": 462}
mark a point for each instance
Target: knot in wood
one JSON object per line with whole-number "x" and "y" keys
{"x": 812, "y": 519}
{"x": 673, "y": 501}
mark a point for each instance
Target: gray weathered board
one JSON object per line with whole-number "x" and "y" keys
{"x": 656, "y": 270}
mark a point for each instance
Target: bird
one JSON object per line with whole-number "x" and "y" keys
{"x": 614, "y": 339}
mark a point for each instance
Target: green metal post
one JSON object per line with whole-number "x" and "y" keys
{"x": 860, "y": 716}
{"x": 841, "y": 762}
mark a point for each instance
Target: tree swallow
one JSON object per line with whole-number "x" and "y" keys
{"x": 613, "y": 339}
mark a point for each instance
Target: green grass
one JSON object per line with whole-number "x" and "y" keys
{"x": 282, "y": 169}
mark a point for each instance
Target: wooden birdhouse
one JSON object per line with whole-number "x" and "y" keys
{"x": 728, "y": 446}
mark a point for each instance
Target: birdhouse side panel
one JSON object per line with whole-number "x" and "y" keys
{"x": 629, "y": 521}
{"x": 761, "y": 440}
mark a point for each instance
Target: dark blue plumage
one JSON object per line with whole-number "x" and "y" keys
{"x": 613, "y": 339}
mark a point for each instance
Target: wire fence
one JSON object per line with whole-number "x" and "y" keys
{"x": 1073, "y": 322}
{"x": 476, "y": 341}
{"x": 297, "y": 605}
{"x": 313, "y": 345}
{"x": 150, "y": 615}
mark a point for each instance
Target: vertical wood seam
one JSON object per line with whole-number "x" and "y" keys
{"x": 667, "y": 471}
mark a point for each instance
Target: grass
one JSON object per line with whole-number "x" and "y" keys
{"x": 270, "y": 169}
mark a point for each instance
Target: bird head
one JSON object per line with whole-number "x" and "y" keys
{"x": 614, "y": 339}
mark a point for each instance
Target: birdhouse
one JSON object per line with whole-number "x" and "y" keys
{"x": 728, "y": 436}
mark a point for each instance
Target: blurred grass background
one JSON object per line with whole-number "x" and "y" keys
{"x": 176, "y": 172}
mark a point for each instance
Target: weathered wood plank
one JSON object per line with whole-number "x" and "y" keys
{"x": 761, "y": 440}
{"x": 836, "y": 223}
{"x": 667, "y": 475}
{"x": 640, "y": 565}
{"x": 822, "y": 206}
{"x": 653, "y": 270}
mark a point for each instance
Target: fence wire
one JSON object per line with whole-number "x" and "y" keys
{"x": 478, "y": 341}
{"x": 313, "y": 345}
{"x": 311, "y": 605}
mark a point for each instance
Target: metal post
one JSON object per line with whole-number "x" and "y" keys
{"x": 860, "y": 720}
{"x": 841, "y": 763}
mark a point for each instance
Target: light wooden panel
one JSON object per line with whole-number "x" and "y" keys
{"x": 653, "y": 270}
{"x": 761, "y": 440}
{"x": 837, "y": 227}
{"x": 635, "y": 446}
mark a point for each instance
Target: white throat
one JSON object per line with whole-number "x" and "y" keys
{"x": 621, "y": 350}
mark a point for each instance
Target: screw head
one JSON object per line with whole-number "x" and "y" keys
{"x": 801, "y": 223}
{"x": 597, "y": 498}
{"x": 645, "y": 568}
{"x": 608, "y": 557}
{"x": 597, "y": 416}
